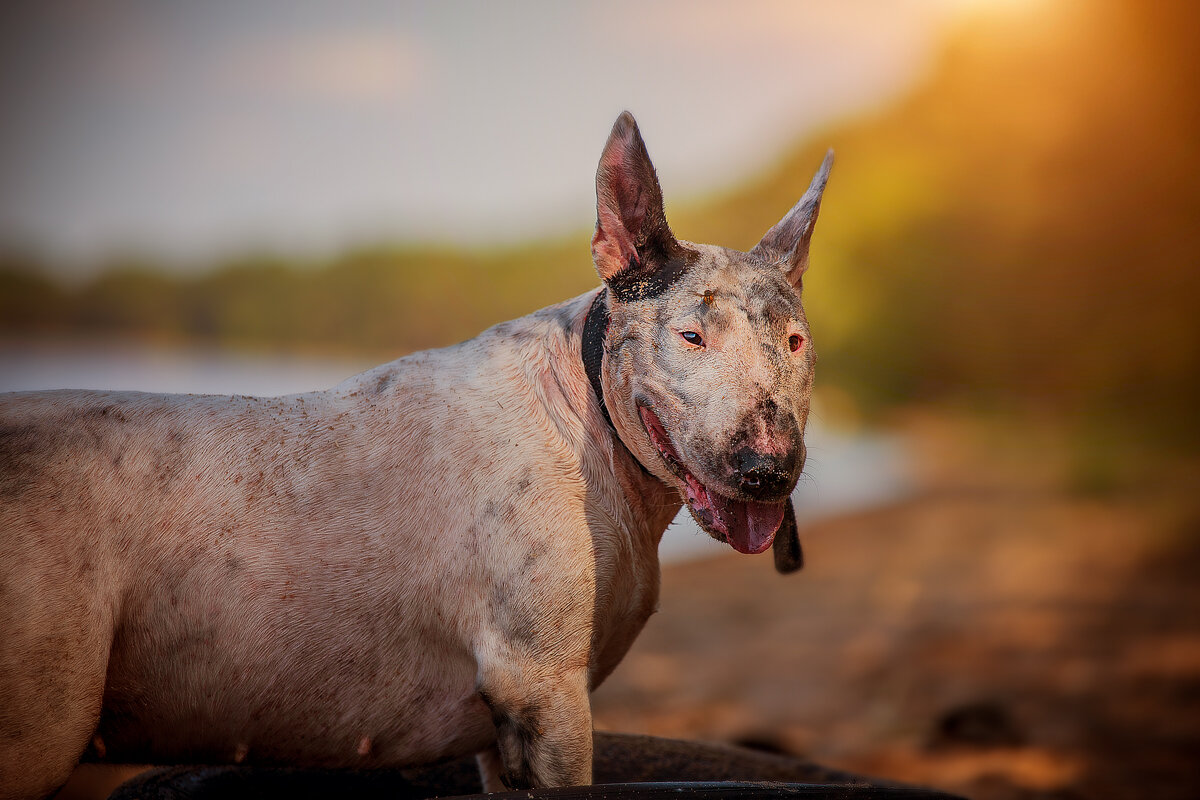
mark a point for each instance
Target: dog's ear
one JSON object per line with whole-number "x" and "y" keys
{"x": 786, "y": 547}
{"x": 633, "y": 245}
{"x": 787, "y": 242}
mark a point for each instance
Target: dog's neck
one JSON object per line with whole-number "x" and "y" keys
{"x": 595, "y": 329}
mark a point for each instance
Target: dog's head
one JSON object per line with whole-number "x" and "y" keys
{"x": 709, "y": 360}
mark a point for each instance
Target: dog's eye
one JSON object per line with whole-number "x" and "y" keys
{"x": 692, "y": 338}
{"x": 795, "y": 342}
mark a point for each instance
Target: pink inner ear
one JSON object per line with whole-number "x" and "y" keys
{"x": 611, "y": 244}
{"x": 621, "y": 209}
{"x": 625, "y": 197}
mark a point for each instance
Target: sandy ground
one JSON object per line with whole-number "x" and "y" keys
{"x": 995, "y": 635}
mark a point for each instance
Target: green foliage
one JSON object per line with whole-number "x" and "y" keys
{"x": 29, "y": 301}
{"x": 384, "y": 300}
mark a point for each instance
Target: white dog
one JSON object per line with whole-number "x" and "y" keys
{"x": 439, "y": 556}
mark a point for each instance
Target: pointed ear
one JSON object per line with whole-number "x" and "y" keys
{"x": 787, "y": 242}
{"x": 633, "y": 242}
{"x": 786, "y": 547}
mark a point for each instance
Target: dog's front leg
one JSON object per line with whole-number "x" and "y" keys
{"x": 543, "y": 721}
{"x": 491, "y": 769}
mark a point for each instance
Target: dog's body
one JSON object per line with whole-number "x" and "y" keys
{"x": 441, "y": 555}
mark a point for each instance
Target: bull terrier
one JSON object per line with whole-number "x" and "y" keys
{"x": 442, "y": 555}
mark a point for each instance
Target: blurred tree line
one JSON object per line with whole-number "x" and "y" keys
{"x": 1020, "y": 231}
{"x": 381, "y": 300}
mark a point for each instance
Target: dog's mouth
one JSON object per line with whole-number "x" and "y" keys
{"x": 748, "y": 526}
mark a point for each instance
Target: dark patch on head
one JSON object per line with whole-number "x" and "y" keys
{"x": 656, "y": 273}
{"x": 757, "y": 319}
{"x": 774, "y": 355}
{"x": 716, "y": 316}
{"x": 765, "y": 404}
{"x": 776, "y": 297}
{"x": 770, "y": 302}
{"x": 234, "y": 564}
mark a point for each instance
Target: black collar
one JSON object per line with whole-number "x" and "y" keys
{"x": 595, "y": 330}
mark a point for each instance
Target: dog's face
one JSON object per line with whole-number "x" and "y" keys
{"x": 709, "y": 356}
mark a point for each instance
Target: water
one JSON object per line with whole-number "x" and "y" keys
{"x": 845, "y": 472}
{"x": 165, "y": 369}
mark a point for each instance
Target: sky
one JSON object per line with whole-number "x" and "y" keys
{"x": 190, "y": 131}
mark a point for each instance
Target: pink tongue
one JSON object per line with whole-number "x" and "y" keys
{"x": 749, "y": 526}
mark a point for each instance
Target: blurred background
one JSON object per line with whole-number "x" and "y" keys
{"x": 1002, "y": 528}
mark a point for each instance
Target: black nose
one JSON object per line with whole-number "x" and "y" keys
{"x": 762, "y": 476}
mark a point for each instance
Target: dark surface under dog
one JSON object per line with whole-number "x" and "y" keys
{"x": 626, "y": 766}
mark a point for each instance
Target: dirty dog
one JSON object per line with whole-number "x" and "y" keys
{"x": 440, "y": 556}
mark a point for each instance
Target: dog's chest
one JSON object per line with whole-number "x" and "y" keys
{"x": 627, "y": 591}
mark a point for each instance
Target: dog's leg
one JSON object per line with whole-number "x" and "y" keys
{"x": 52, "y": 667}
{"x": 491, "y": 769}
{"x": 543, "y": 726}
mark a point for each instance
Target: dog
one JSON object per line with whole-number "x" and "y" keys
{"x": 442, "y": 555}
